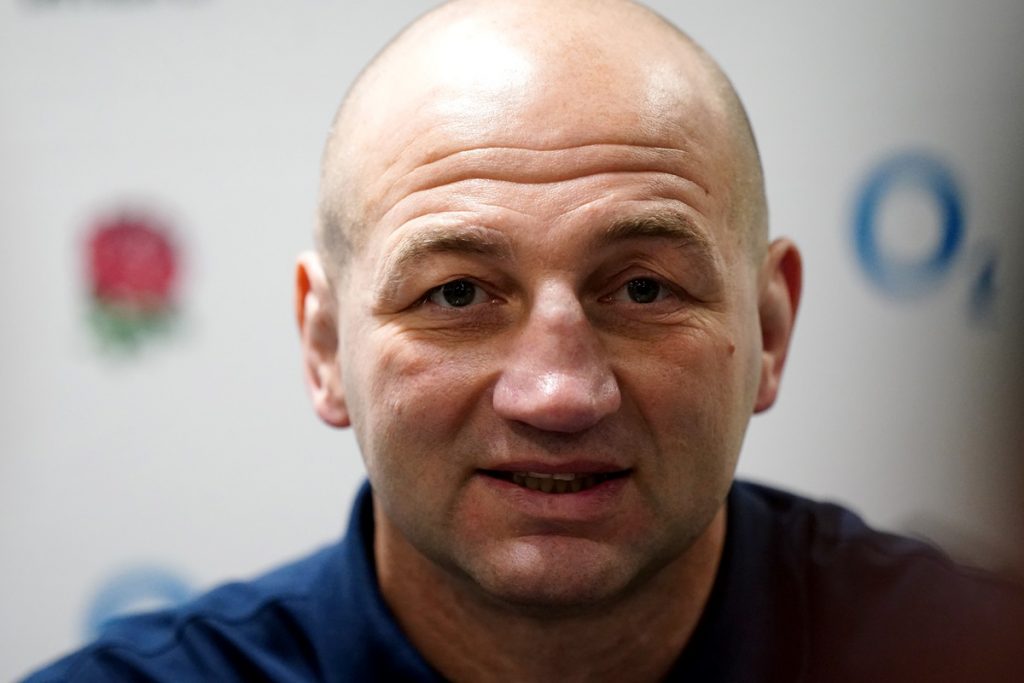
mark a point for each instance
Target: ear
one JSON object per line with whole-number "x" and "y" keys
{"x": 780, "y": 281}
{"x": 316, "y": 313}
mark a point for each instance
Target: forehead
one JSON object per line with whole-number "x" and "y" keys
{"x": 475, "y": 83}
{"x": 471, "y": 115}
{"x": 538, "y": 212}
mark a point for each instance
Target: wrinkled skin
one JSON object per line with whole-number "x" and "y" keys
{"x": 605, "y": 310}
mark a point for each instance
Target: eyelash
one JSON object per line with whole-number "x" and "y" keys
{"x": 665, "y": 291}
{"x": 428, "y": 297}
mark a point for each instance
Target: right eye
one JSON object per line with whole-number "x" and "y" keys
{"x": 456, "y": 294}
{"x": 645, "y": 290}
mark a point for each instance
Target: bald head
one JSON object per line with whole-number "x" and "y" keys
{"x": 537, "y": 75}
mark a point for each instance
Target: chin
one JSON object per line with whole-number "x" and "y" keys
{"x": 554, "y": 576}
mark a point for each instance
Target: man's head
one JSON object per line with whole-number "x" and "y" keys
{"x": 543, "y": 265}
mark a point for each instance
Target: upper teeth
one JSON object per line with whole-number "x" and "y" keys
{"x": 560, "y": 477}
{"x": 556, "y": 483}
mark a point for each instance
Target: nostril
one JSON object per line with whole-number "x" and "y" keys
{"x": 557, "y": 402}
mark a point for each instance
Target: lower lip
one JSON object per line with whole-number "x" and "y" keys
{"x": 595, "y": 502}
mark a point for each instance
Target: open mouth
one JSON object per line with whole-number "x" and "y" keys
{"x": 555, "y": 483}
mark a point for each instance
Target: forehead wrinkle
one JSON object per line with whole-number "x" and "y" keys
{"x": 594, "y": 147}
{"x": 530, "y": 166}
{"x": 437, "y": 240}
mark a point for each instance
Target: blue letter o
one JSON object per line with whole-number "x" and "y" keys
{"x": 918, "y": 172}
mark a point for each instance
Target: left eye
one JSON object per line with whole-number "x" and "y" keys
{"x": 455, "y": 294}
{"x": 644, "y": 290}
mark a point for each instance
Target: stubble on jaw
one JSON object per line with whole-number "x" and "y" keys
{"x": 602, "y": 641}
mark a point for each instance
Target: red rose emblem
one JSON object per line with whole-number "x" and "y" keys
{"x": 132, "y": 262}
{"x": 132, "y": 266}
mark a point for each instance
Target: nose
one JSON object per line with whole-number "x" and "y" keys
{"x": 557, "y": 376}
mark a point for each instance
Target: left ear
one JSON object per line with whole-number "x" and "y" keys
{"x": 780, "y": 282}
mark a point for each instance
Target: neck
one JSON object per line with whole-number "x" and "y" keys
{"x": 468, "y": 637}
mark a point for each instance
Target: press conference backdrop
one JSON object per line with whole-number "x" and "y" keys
{"x": 158, "y": 172}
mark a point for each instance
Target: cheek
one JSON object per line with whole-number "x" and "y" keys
{"x": 696, "y": 391}
{"x": 732, "y": 370}
{"x": 415, "y": 396}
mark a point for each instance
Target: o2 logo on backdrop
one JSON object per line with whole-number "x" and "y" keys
{"x": 135, "y": 590}
{"x": 909, "y": 231}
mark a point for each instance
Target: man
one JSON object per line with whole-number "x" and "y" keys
{"x": 545, "y": 300}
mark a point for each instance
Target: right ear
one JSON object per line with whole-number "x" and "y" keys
{"x": 316, "y": 313}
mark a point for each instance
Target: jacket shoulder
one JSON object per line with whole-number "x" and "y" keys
{"x": 238, "y": 631}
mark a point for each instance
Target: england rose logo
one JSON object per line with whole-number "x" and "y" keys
{"x": 133, "y": 266}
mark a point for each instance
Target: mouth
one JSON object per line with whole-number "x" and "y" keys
{"x": 555, "y": 483}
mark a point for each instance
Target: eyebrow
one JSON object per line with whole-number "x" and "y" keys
{"x": 439, "y": 240}
{"x": 678, "y": 230}
{"x": 667, "y": 225}
{"x": 673, "y": 226}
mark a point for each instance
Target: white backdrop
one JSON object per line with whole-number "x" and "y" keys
{"x": 134, "y": 475}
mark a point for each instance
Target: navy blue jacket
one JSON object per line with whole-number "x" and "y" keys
{"x": 805, "y": 592}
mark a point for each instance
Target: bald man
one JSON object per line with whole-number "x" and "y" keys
{"x": 545, "y": 300}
